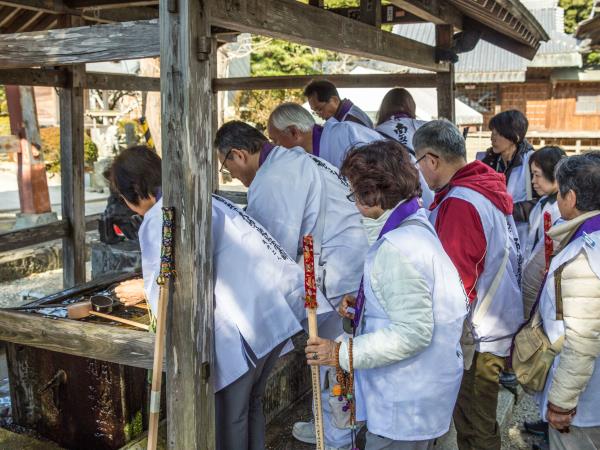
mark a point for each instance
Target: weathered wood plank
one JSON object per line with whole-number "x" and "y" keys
{"x": 33, "y": 77}
{"x": 111, "y": 81}
{"x": 72, "y": 172}
{"x": 344, "y": 80}
{"x": 104, "y": 4}
{"x": 108, "y": 42}
{"x": 435, "y": 11}
{"x": 10, "y": 144}
{"x": 315, "y": 27}
{"x": 445, "y": 81}
{"x": 106, "y": 343}
{"x": 13, "y": 240}
{"x": 187, "y": 55}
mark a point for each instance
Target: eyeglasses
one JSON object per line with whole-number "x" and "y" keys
{"x": 224, "y": 160}
{"x": 351, "y": 197}
{"x": 433, "y": 155}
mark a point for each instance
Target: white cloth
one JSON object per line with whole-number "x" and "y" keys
{"x": 402, "y": 129}
{"x": 519, "y": 186}
{"x": 258, "y": 288}
{"x": 360, "y": 115}
{"x": 493, "y": 333}
{"x": 580, "y": 312}
{"x": 286, "y": 197}
{"x": 535, "y": 238}
{"x": 406, "y": 386}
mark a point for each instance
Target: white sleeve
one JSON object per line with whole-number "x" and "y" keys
{"x": 406, "y": 298}
{"x": 150, "y": 243}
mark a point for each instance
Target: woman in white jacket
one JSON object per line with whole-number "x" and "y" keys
{"x": 409, "y": 311}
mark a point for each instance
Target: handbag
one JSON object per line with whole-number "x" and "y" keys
{"x": 532, "y": 353}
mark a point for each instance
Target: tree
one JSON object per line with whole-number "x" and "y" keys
{"x": 575, "y": 12}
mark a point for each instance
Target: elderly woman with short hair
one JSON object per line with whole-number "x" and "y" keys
{"x": 409, "y": 312}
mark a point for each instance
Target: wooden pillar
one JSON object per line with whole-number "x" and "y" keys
{"x": 72, "y": 175}
{"x": 33, "y": 184}
{"x": 370, "y": 12}
{"x": 445, "y": 80}
{"x": 187, "y": 55}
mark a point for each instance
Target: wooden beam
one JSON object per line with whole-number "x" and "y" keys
{"x": 120, "y": 14}
{"x": 25, "y": 237}
{"x": 293, "y": 21}
{"x": 370, "y": 12}
{"x": 33, "y": 77}
{"x": 127, "y": 40}
{"x": 116, "y": 82}
{"x": 345, "y": 80}
{"x": 188, "y": 52}
{"x": 439, "y": 12}
{"x": 445, "y": 81}
{"x": 91, "y": 340}
{"x": 108, "y": 4}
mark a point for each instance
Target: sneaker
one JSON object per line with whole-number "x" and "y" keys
{"x": 539, "y": 428}
{"x": 304, "y": 432}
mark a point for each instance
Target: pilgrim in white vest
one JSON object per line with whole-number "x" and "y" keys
{"x": 291, "y": 125}
{"x": 537, "y": 250}
{"x": 569, "y": 309}
{"x": 509, "y": 154}
{"x": 405, "y": 358}
{"x": 258, "y": 291}
{"x": 472, "y": 215}
{"x": 325, "y": 102}
{"x": 293, "y": 194}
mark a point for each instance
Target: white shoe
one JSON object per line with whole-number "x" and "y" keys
{"x": 305, "y": 432}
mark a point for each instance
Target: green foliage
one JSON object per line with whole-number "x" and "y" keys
{"x": 51, "y": 149}
{"x": 575, "y": 12}
{"x": 3, "y": 104}
{"x": 4, "y": 126}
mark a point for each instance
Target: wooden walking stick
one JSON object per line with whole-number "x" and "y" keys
{"x": 167, "y": 271}
{"x": 310, "y": 303}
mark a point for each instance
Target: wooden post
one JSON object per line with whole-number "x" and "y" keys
{"x": 370, "y": 12}
{"x": 187, "y": 55}
{"x": 445, "y": 80}
{"x": 33, "y": 185}
{"x": 72, "y": 172}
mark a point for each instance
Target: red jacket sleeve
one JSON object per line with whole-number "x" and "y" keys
{"x": 460, "y": 230}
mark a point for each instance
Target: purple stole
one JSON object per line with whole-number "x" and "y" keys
{"x": 317, "y": 131}
{"x": 264, "y": 153}
{"x": 343, "y": 109}
{"x": 588, "y": 227}
{"x": 398, "y": 216}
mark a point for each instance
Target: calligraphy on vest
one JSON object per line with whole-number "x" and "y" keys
{"x": 398, "y": 216}
{"x": 317, "y": 131}
{"x": 264, "y": 153}
{"x": 343, "y": 109}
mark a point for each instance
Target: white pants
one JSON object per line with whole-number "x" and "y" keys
{"x": 376, "y": 442}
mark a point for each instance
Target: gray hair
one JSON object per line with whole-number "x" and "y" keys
{"x": 443, "y": 137}
{"x": 581, "y": 174}
{"x": 292, "y": 114}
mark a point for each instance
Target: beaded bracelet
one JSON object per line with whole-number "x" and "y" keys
{"x": 571, "y": 412}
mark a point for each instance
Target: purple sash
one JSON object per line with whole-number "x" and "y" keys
{"x": 398, "y": 216}
{"x": 590, "y": 226}
{"x": 264, "y": 153}
{"x": 343, "y": 109}
{"x": 316, "y": 139}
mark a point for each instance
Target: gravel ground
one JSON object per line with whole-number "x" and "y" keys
{"x": 513, "y": 436}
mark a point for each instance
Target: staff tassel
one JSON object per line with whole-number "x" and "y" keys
{"x": 310, "y": 303}
{"x": 167, "y": 271}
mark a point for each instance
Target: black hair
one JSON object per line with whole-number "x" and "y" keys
{"x": 323, "y": 88}
{"x": 238, "y": 134}
{"x": 581, "y": 174}
{"x": 546, "y": 158}
{"x": 511, "y": 124}
{"x": 136, "y": 173}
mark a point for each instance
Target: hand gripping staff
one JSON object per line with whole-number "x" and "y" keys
{"x": 310, "y": 303}
{"x": 167, "y": 271}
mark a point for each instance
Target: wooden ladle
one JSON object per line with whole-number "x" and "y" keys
{"x": 85, "y": 309}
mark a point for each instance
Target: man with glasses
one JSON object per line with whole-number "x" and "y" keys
{"x": 472, "y": 214}
{"x": 292, "y": 194}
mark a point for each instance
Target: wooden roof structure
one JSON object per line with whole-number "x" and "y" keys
{"x": 48, "y": 42}
{"x": 589, "y": 30}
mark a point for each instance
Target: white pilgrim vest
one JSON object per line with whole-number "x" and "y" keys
{"x": 413, "y": 399}
{"x": 286, "y": 197}
{"x": 536, "y": 227}
{"x": 519, "y": 186}
{"x": 588, "y": 414}
{"x": 360, "y": 115}
{"x": 338, "y": 138}
{"x": 258, "y": 288}
{"x": 493, "y": 333}
{"x": 402, "y": 129}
